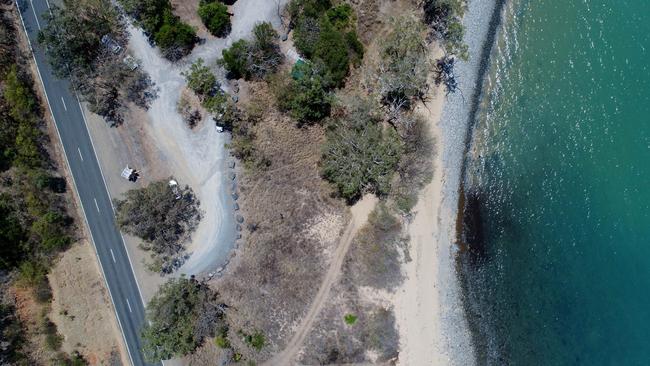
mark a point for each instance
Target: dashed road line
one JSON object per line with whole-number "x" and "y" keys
{"x": 81, "y": 156}
{"x": 113, "y": 255}
{"x": 129, "y": 305}
{"x": 64, "y": 106}
{"x": 96, "y": 205}
{"x": 38, "y": 24}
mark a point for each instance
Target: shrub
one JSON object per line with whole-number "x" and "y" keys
{"x": 350, "y": 319}
{"x": 326, "y": 34}
{"x": 181, "y": 314}
{"x": 360, "y": 155}
{"x": 306, "y": 95}
{"x": 222, "y": 341}
{"x": 444, "y": 18}
{"x": 215, "y": 17}
{"x": 162, "y": 220}
{"x": 376, "y": 251}
{"x": 200, "y": 79}
{"x": 256, "y": 58}
{"x": 404, "y": 67}
{"x": 255, "y": 340}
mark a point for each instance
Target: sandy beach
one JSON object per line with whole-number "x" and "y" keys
{"x": 429, "y": 309}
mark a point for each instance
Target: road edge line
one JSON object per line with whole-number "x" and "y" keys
{"x": 47, "y": 99}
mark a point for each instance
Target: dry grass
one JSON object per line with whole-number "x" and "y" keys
{"x": 81, "y": 307}
{"x": 292, "y": 222}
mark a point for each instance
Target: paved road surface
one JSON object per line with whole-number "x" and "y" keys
{"x": 90, "y": 186}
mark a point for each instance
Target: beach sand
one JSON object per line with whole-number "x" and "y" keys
{"x": 429, "y": 308}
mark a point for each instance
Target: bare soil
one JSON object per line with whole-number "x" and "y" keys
{"x": 82, "y": 310}
{"x": 292, "y": 223}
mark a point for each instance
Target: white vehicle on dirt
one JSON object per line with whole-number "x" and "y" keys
{"x": 175, "y": 190}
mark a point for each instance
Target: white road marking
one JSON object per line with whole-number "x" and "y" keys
{"x": 81, "y": 156}
{"x": 96, "y": 205}
{"x": 113, "y": 255}
{"x": 48, "y": 5}
{"x": 129, "y": 305}
{"x": 35, "y": 16}
{"x": 64, "y": 106}
{"x": 76, "y": 191}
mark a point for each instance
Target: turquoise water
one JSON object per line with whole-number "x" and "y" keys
{"x": 558, "y": 192}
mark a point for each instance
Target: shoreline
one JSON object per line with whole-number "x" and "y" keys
{"x": 429, "y": 306}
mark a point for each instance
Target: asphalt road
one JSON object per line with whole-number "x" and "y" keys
{"x": 90, "y": 186}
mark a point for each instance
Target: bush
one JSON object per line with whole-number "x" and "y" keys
{"x": 215, "y": 17}
{"x": 376, "y": 251}
{"x": 253, "y": 59}
{"x": 350, "y": 319}
{"x": 444, "y": 18}
{"x": 255, "y": 340}
{"x": 404, "y": 67}
{"x": 162, "y": 220}
{"x": 175, "y": 38}
{"x": 181, "y": 314}
{"x": 326, "y": 34}
{"x": 200, "y": 79}
{"x": 360, "y": 155}
{"x": 306, "y": 96}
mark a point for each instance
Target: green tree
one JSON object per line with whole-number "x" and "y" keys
{"x": 215, "y": 17}
{"x": 404, "y": 66}
{"x": 444, "y": 18}
{"x": 181, "y": 314}
{"x": 306, "y": 96}
{"x": 163, "y": 217}
{"x": 200, "y": 79}
{"x": 235, "y": 59}
{"x": 360, "y": 155}
{"x": 73, "y": 34}
{"x": 326, "y": 34}
{"x": 256, "y": 58}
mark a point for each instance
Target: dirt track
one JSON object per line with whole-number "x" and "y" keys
{"x": 360, "y": 212}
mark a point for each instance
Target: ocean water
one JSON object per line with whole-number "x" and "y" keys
{"x": 555, "y": 258}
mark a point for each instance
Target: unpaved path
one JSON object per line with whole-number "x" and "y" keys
{"x": 196, "y": 157}
{"x": 360, "y": 212}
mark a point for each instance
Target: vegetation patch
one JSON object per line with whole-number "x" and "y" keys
{"x": 84, "y": 42}
{"x": 376, "y": 251}
{"x": 360, "y": 154}
{"x": 174, "y": 38}
{"x": 164, "y": 216}
{"x": 306, "y": 94}
{"x": 350, "y": 319}
{"x": 253, "y": 59}
{"x": 326, "y": 33}
{"x": 179, "y": 317}
{"x": 215, "y": 16}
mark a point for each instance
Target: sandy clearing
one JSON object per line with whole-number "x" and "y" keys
{"x": 360, "y": 212}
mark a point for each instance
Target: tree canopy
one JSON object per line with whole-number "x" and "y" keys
{"x": 200, "y": 79}
{"x": 163, "y": 218}
{"x": 215, "y": 17}
{"x": 444, "y": 17}
{"x": 326, "y": 33}
{"x": 404, "y": 66}
{"x": 256, "y": 58}
{"x": 175, "y": 38}
{"x": 181, "y": 314}
{"x": 306, "y": 94}
{"x": 360, "y": 155}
